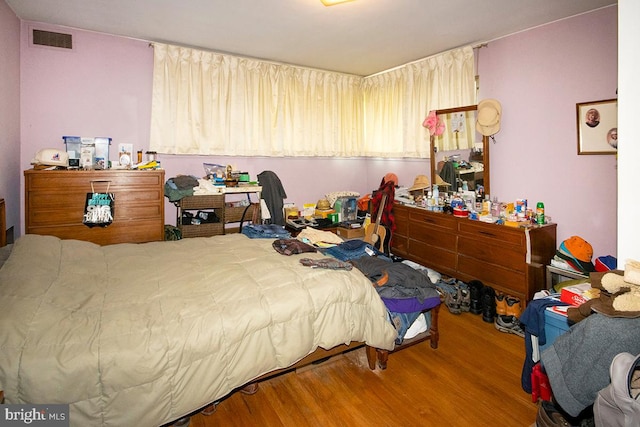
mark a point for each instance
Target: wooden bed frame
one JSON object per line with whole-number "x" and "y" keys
{"x": 375, "y": 357}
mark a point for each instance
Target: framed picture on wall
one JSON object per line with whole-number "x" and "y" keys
{"x": 597, "y": 127}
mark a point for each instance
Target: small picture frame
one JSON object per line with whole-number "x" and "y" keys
{"x": 597, "y": 127}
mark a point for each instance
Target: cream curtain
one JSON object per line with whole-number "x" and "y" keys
{"x": 214, "y": 104}
{"x": 209, "y": 103}
{"x": 397, "y": 101}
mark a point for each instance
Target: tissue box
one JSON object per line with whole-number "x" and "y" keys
{"x": 576, "y": 294}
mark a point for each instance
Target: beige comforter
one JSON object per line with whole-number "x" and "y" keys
{"x": 142, "y": 334}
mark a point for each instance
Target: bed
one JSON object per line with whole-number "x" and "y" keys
{"x": 145, "y": 334}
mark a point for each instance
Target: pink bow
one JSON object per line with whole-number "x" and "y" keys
{"x": 433, "y": 123}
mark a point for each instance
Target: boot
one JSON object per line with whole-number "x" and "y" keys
{"x": 501, "y": 304}
{"x": 513, "y": 306}
{"x": 475, "y": 295}
{"x": 488, "y": 304}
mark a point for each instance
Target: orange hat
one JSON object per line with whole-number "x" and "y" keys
{"x": 390, "y": 177}
{"x": 579, "y": 248}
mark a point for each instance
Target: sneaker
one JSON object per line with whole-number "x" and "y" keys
{"x": 549, "y": 416}
{"x": 509, "y": 325}
{"x": 453, "y": 301}
{"x": 465, "y": 299}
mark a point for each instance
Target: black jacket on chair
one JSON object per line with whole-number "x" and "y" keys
{"x": 273, "y": 194}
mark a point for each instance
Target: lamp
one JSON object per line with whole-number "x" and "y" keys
{"x": 332, "y": 2}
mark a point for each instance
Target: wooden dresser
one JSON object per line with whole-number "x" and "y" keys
{"x": 510, "y": 260}
{"x": 54, "y": 204}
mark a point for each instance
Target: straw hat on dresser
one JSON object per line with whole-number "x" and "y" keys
{"x": 420, "y": 183}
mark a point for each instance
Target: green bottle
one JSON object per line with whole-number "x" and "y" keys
{"x": 540, "y": 213}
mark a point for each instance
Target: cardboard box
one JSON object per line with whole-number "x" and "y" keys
{"x": 350, "y": 233}
{"x": 576, "y": 294}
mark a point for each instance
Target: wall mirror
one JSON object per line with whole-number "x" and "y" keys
{"x": 460, "y": 156}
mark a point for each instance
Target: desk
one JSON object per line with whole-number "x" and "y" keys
{"x": 241, "y": 213}
{"x": 225, "y": 210}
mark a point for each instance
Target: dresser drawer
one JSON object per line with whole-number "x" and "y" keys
{"x": 492, "y": 232}
{"x": 507, "y": 256}
{"x": 432, "y": 256}
{"x": 70, "y": 180}
{"x": 433, "y": 219}
{"x": 401, "y": 217}
{"x": 494, "y": 275}
{"x": 400, "y": 245}
{"x": 72, "y": 198}
{"x": 433, "y": 236}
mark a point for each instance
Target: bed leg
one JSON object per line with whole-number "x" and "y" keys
{"x": 209, "y": 410}
{"x": 433, "y": 330}
{"x": 371, "y": 357}
{"x": 182, "y": 422}
{"x": 251, "y": 388}
{"x": 383, "y": 357}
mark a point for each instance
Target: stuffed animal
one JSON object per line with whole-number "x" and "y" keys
{"x": 628, "y": 287}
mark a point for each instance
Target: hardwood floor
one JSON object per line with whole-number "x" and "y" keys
{"x": 472, "y": 379}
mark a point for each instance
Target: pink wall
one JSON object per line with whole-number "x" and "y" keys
{"x": 100, "y": 88}
{"x": 103, "y": 88}
{"x": 10, "y": 114}
{"x": 539, "y": 76}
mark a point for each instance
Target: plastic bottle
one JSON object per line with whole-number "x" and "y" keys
{"x": 540, "y": 213}
{"x": 486, "y": 206}
{"x": 436, "y": 198}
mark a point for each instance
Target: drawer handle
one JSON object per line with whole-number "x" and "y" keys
{"x": 429, "y": 220}
{"x": 486, "y": 233}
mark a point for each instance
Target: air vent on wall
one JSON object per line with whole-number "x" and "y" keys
{"x": 49, "y": 38}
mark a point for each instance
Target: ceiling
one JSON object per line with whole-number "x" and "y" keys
{"x": 360, "y": 37}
